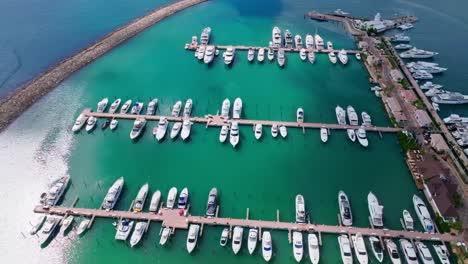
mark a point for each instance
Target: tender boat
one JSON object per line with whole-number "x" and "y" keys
{"x": 441, "y": 251}
{"x": 224, "y": 237}
{"x": 314, "y": 250}
{"x": 300, "y": 115}
{"x": 162, "y": 127}
{"x": 298, "y": 41}
{"x": 192, "y": 237}
{"x": 258, "y": 131}
{"x": 176, "y": 129}
{"x": 209, "y": 54}
{"x": 376, "y": 247}
{"x": 252, "y": 240}
{"x": 251, "y": 55}
{"x": 340, "y": 115}
{"x": 176, "y": 108}
{"x": 141, "y": 198}
{"x": 267, "y": 246}
{"x": 115, "y": 106}
{"x": 140, "y": 229}
{"x": 113, "y": 194}
{"x": 261, "y": 55}
{"x": 283, "y": 131}
{"x": 101, "y": 106}
{"x": 201, "y": 52}
{"x": 392, "y": 251}
{"x": 288, "y": 39}
{"x": 171, "y": 197}
{"x": 205, "y": 36}
{"x": 274, "y": 130}
{"x": 375, "y": 210}
{"x": 300, "y": 209}
{"x": 237, "y": 111}
{"x": 66, "y": 224}
{"x": 212, "y": 203}
{"x": 48, "y": 229}
{"x": 408, "y": 219}
{"x": 311, "y": 57}
{"x": 136, "y": 108}
{"x": 276, "y": 37}
{"x": 154, "y": 204}
{"x": 234, "y": 134}
{"x": 186, "y": 127}
{"x": 360, "y": 248}
{"x": 126, "y": 107}
{"x": 329, "y": 45}
{"x": 183, "y": 199}
{"x": 138, "y": 127}
{"x": 237, "y": 239}
{"x": 423, "y": 214}
{"x": 351, "y": 134}
{"x": 298, "y": 247}
{"x": 303, "y": 54}
{"x": 324, "y": 134}
{"x": 152, "y": 105}
{"x": 345, "y": 209}
{"x": 225, "y": 108}
{"x": 408, "y": 251}
{"x": 166, "y": 233}
{"x": 223, "y": 133}
{"x": 343, "y": 57}
{"x": 124, "y": 228}
{"x": 281, "y": 59}
{"x": 80, "y": 121}
{"x": 229, "y": 55}
{"x": 91, "y": 123}
{"x": 332, "y": 57}
{"x": 424, "y": 253}
{"x": 113, "y": 124}
{"x": 83, "y": 226}
{"x": 361, "y": 136}
{"x": 345, "y": 249}
{"x": 37, "y": 224}
{"x": 318, "y": 42}
{"x": 352, "y": 116}
{"x": 56, "y": 191}
{"x": 309, "y": 41}
{"x": 271, "y": 54}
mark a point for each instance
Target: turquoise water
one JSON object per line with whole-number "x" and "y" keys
{"x": 264, "y": 176}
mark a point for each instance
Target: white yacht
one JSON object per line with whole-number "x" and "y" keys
{"x": 408, "y": 220}
{"x": 201, "y": 52}
{"x": 267, "y": 246}
{"x": 400, "y": 38}
{"x": 48, "y": 229}
{"x": 415, "y": 53}
{"x": 152, "y": 105}
{"x": 454, "y": 118}
{"x": 236, "y": 113}
{"x": 140, "y": 229}
{"x": 155, "y": 199}
{"x": 360, "y": 248}
{"x": 309, "y": 40}
{"x": 165, "y": 234}
{"x": 251, "y": 55}
{"x": 83, "y": 226}
{"x": 224, "y": 237}
{"x": 229, "y": 55}
{"x": 252, "y": 240}
{"x": 37, "y": 224}
{"x": 403, "y": 46}
{"x": 80, "y": 121}
{"x": 136, "y": 108}
{"x": 91, "y": 123}
{"x": 124, "y": 228}
{"x": 324, "y": 134}
{"x": 101, "y": 105}
{"x": 318, "y": 42}
{"x": 138, "y": 127}
{"x": 345, "y": 209}
{"x": 66, "y": 224}
{"x": 209, "y": 54}
{"x": 176, "y": 129}
{"x": 176, "y": 109}
{"x": 362, "y": 137}
{"x": 329, "y": 45}
{"x": 298, "y": 246}
{"x": 392, "y": 251}
{"x": 212, "y": 203}
{"x": 258, "y": 129}
{"x": 311, "y": 56}
{"x": 113, "y": 194}
{"x": 300, "y": 115}
{"x": 422, "y": 75}
{"x": 424, "y": 253}
{"x": 441, "y": 251}
{"x": 197, "y": 51}
{"x": 283, "y": 131}
{"x": 343, "y": 57}
{"x": 449, "y": 98}
{"x": 408, "y": 251}
{"x": 358, "y": 56}
{"x": 375, "y": 210}
{"x": 225, "y": 108}
{"x": 423, "y": 214}
{"x": 288, "y": 39}
{"x": 234, "y": 134}
{"x": 56, "y": 191}
{"x": 406, "y": 26}
{"x": 281, "y": 58}
{"x": 433, "y": 92}
{"x": 192, "y": 237}
{"x": 271, "y": 54}
{"x": 171, "y": 197}
{"x": 141, "y": 198}
{"x": 162, "y": 127}
{"x": 223, "y": 133}
{"x": 276, "y": 37}
{"x": 303, "y": 54}
{"x": 428, "y": 85}
{"x": 126, "y": 107}
{"x": 376, "y": 247}
{"x": 351, "y": 134}
{"x": 340, "y": 115}
{"x": 115, "y": 106}
{"x": 237, "y": 239}
{"x": 298, "y": 41}
{"x": 186, "y": 127}
{"x": 314, "y": 250}
{"x": 183, "y": 199}
{"x": 300, "y": 209}
{"x": 423, "y": 66}
{"x": 261, "y": 55}
{"x": 113, "y": 124}
{"x": 366, "y": 119}
{"x": 274, "y": 130}
{"x": 345, "y": 249}
{"x": 352, "y": 116}
{"x": 205, "y": 36}
{"x": 187, "y": 108}
{"x": 332, "y": 57}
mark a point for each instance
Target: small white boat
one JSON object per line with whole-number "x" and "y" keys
{"x": 113, "y": 124}
{"x": 201, "y": 52}
{"x": 360, "y": 248}
{"x": 188, "y": 108}
{"x": 66, "y": 224}
{"x": 311, "y": 57}
{"x": 329, "y": 45}
{"x": 258, "y": 131}
{"x": 166, "y": 233}
{"x": 251, "y": 55}
{"x": 162, "y": 127}
{"x": 424, "y": 253}
{"x": 212, "y": 203}
{"x": 442, "y": 253}
{"x": 37, "y": 224}
{"x": 366, "y": 119}
{"x": 115, "y": 106}
{"x": 361, "y": 136}
{"x": 252, "y": 240}
{"x": 223, "y": 133}
{"x": 324, "y": 134}
{"x": 281, "y": 58}
{"x": 274, "y": 130}
{"x": 152, "y": 105}
{"x": 298, "y": 41}
{"x": 314, "y": 250}
{"x": 376, "y": 247}
{"x": 176, "y": 129}
{"x": 332, "y": 57}
{"x": 183, "y": 199}
{"x": 392, "y": 251}
{"x": 91, "y": 123}
{"x": 346, "y": 215}
{"x": 261, "y": 55}
{"x": 237, "y": 239}
{"x": 209, "y": 54}
{"x": 283, "y": 131}
{"x": 229, "y": 55}
{"x": 83, "y": 226}
{"x": 136, "y": 108}
{"x": 271, "y": 54}
{"x": 224, "y": 237}
{"x": 140, "y": 229}
{"x": 79, "y": 123}
{"x": 300, "y": 209}
{"x": 408, "y": 251}
{"x": 303, "y": 54}
{"x": 358, "y": 56}
{"x": 318, "y": 42}
{"x": 345, "y": 249}
{"x": 408, "y": 220}
{"x": 237, "y": 111}
{"x": 225, "y": 108}
{"x": 138, "y": 127}
{"x": 101, "y": 106}
{"x": 309, "y": 40}
{"x": 171, "y": 197}
{"x": 351, "y": 134}
{"x": 267, "y": 246}
{"x": 375, "y": 210}
{"x": 192, "y": 237}
{"x": 423, "y": 214}
{"x": 140, "y": 198}
{"x": 343, "y": 57}
{"x": 234, "y": 134}
{"x": 176, "y": 108}
{"x": 186, "y": 127}
{"x": 300, "y": 115}
{"x": 126, "y": 107}
{"x": 154, "y": 204}
{"x": 298, "y": 247}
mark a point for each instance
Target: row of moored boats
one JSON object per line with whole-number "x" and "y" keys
{"x": 350, "y": 114}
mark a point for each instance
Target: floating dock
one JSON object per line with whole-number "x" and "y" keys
{"x": 193, "y": 47}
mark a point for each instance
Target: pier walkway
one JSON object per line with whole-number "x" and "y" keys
{"x": 193, "y": 47}
{"x": 215, "y": 120}
{"x": 171, "y": 218}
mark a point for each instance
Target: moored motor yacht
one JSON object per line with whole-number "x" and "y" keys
{"x": 152, "y": 105}
{"x": 274, "y": 130}
{"x": 161, "y": 129}
{"x": 252, "y": 240}
{"x": 225, "y": 108}
{"x": 376, "y": 247}
{"x": 66, "y": 224}
{"x": 171, "y": 198}
{"x": 124, "y": 228}
{"x": 136, "y": 108}
{"x": 186, "y": 127}
{"x": 140, "y": 229}
{"x": 138, "y": 127}
{"x": 346, "y": 215}
{"x": 126, "y": 107}
{"x": 300, "y": 209}
{"x": 113, "y": 124}
{"x": 329, "y": 45}
{"x": 332, "y": 57}
{"x": 115, "y": 106}
{"x": 403, "y": 46}
{"x": 303, "y": 54}
{"x": 113, "y": 194}
{"x": 442, "y": 253}
{"x": 283, "y": 131}
{"x": 237, "y": 239}
{"x": 261, "y": 55}
{"x": 209, "y": 54}
{"x": 234, "y": 134}
{"x": 288, "y": 39}
{"x": 165, "y": 234}
{"x": 300, "y": 115}
{"x": 408, "y": 251}
{"x": 201, "y": 52}
{"x": 205, "y": 36}
{"x": 366, "y": 119}
{"x": 281, "y": 58}
{"x": 141, "y": 198}
{"x": 298, "y": 41}
{"x": 212, "y": 203}
{"x": 80, "y": 121}
{"x": 375, "y": 210}
{"x": 187, "y": 108}
{"x": 429, "y": 85}
{"x": 314, "y": 250}
{"x": 224, "y": 237}
{"x": 345, "y": 249}
{"x": 298, "y": 246}
{"x": 351, "y": 134}
{"x": 237, "y": 111}
{"x": 155, "y": 199}
{"x": 223, "y": 133}
{"x": 91, "y": 123}
{"x": 324, "y": 135}
{"x": 424, "y": 253}
{"x": 183, "y": 199}
{"x": 37, "y": 224}
{"x": 343, "y": 57}
{"x": 271, "y": 54}
{"x": 362, "y": 137}
{"x": 358, "y": 56}
{"x": 48, "y": 229}
{"x": 176, "y": 109}
{"x": 392, "y": 251}
{"x": 318, "y": 42}
{"x": 176, "y": 129}
{"x": 423, "y": 214}
{"x": 56, "y": 191}
{"x": 228, "y": 55}
{"x": 340, "y": 115}
{"x": 408, "y": 220}
{"x": 101, "y": 105}
{"x": 276, "y": 37}
{"x": 415, "y": 53}
{"x": 311, "y": 57}
{"x": 352, "y": 116}
{"x": 360, "y": 248}
{"x": 251, "y": 55}
{"x": 258, "y": 131}
{"x": 309, "y": 40}
{"x": 267, "y": 246}
{"x": 192, "y": 237}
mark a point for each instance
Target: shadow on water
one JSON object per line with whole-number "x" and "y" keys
{"x": 259, "y": 8}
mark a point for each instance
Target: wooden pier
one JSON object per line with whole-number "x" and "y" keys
{"x": 174, "y": 220}
{"x": 216, "y": 120}
{"x": 193, "y": 47}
